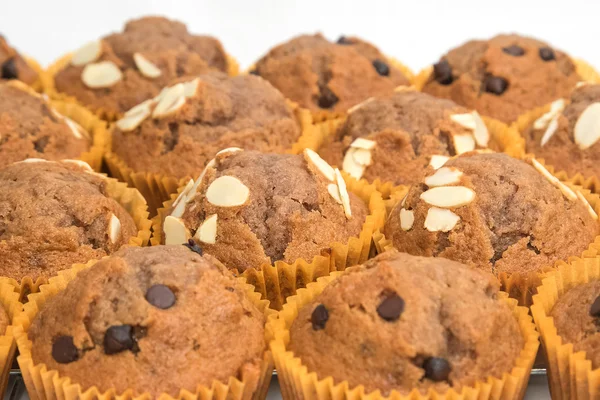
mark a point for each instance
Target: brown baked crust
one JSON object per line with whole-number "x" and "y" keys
{"x": 12, "y": 63}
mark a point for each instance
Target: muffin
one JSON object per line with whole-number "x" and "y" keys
{"x": 495, "y": 213}
{"x": 113, "y": 74}
{"x": 566, "y": 135}
{"x": 402, "y": 324}
{"x": 14, "y": 66}
{"x": 395, "y": 137}
{"x": 324, "y": 76}
{"x": 31, "y": 128}
{"x": 504, "y": 76}
{"x": 55, "y": 214}
{"x": 249, "y": 209}
{"x": 151, "y": 312}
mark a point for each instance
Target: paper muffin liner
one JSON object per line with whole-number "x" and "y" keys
{"x": 34, "y": 65}
{"x": 9, "y": 300}
{"x": 132, "y": 201}
{"x": 297, "y": 382}
{"x": 43, "y": 383}
{"x": 157, "y": 188}
{"x": 278, "y": 281}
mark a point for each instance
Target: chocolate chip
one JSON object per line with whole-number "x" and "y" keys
{"x": 514, "y": 50}
{"x": 9, "y": 69}
{"x": 253, "y": 72}
{"x": 64, "y": 350}
{"x": 381, "y": 68}
{"x": 319, "y": 317}
{"x": 328, "y": 98}
{"x": 495, "y": 85}
{"x": 437, "y": 369}
{"x": 118, "y": 338}
{"x": 391, "y": 307}
{"x": 344, "y": 40}
{"x": 547, "y": 54}
{"x": 160, "y": 296}
{"x": 442, "y": 72}
{"x": 595, "y": 308}
{"x": 193, "y": 246}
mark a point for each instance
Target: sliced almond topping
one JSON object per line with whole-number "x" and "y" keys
{"x": 131, "y": 122}
{"x": 448, "y": 196}
{"x": 207, "y": 232}
{"x": 581, "y": 83}
{"x": 566, "y": 191}
{"x": 343, "y": 193}
{"x": 463, "y": 143}
{"x": 444, "y": 176}
{"x": 230, "y": 150}
{"x": 482, "y": 136}
{"x": 587, "y": 127}
{"x": 175, "y": 231}
{"x": 587, "y": 205}
{"x": 556, "y": 108}
{"x": 190, "y": 88}
{"x": 362, "y": 157}
{"x": 353, "y": 168}
{"x": 322, "y": 165}
{"x": 77, "y": 130}
{"x": 359, "y": 105}
{"x": 552, "y": 127}
{"x": 181, "y": 201}
{"x": 32, "y": 160}
{"x": 465, "y": 120}
{"x": 407, "y": 219}
{"x": 403, "y": 202}
{"x": 192, "y": 193}
{"x": 147, "y": 68}
{"x": 101, "y": 75}
{"x": 142, "y": 108}
{"x": 333, "y": 190}
{"x": 114, "y": 228}
{"x": 361, "y": 143}
{"x": 167, "y": 99}
{"x": 80, "y": 163}
{"x": 438, "y": 161}
{"x": 227, "y": 191}
{"x": 87, "y": 53}
{"x": 440, "y": 220}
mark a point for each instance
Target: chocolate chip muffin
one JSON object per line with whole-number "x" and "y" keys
{"x": 151, "y": 312}
{"x": 566, "y": 135}
{"x": 416, "y": 323}
{"x": 31, "y": 128}
{"x": 324, "y": 76}
{"x": 117, "y": 72}
{"x": 504, "y": 76}
{"x": 495, "y": 213}
{"x": 14, "y": 66}
{"x": 55, "y": 214}
{"x": 180, "y": 130}
{"x": 395, "y": 137}
{"x": 249, "y": 209}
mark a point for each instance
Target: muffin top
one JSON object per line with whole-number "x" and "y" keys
{"x": 402, "y": 322}
{"x": 13, "y": 65}
{"x": 151, "y": 312}
{"x": 395, "y": 137}
{"x": 250, "y": 208}
{"x": 504, "y": 76}
{"x": 321, "y": 75}
{"x": 493, "y": 212}
{"x": 31, "y": 128}
{"x": 576, "y": 316}
{"x": 55, "y": 214}
{"x": 566, "y": 136}
{"x": 123, "y": 69}
{"x": 180, "y": 130}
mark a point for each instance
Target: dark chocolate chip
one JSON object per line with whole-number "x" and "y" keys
{"x": 381, "y": 68}
{"x": 319, "y": 317}
{"x": 160, "y": 296}
{"x": 64, "y": 350}
{"x": 495, "y": 85}
{"x": 328, "y": 98}
{"x": 343, "y": 40}
{"x": 437, "y": 369}
{"x": 514, "y": 50}
{"x": 442, "y": 72}
{"x": 391, "y": 307}
{"x": 595, "y": 308}
{"x": 547, "y": 54}
{"x": 193, "y": 246}
{"x": 9, "y": 69}
{"x": 253, "y": 72}
{"x": 118, "y": 338}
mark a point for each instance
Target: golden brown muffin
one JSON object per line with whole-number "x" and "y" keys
{"x": 13, "y": 65}
{"x": 504, "y": 76}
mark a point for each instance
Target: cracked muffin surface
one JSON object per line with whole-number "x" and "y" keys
{"x": 250, "y": 208}
{"x": 14, "y": 66}
{"x": 321, "y": 75}
{"x": 495, "y": 213}
{"x": 143, "y": 313}
{"x": 402, "y": 322}
{"x": 504, "y": 76}
{"x": 55, "y": 214}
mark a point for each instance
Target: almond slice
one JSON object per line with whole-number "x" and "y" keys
{"x": 101, "y": 75}
{"x": 361, "y": 143}
{"x": 175, "y": 231}
{"x": 362, "y": 157}
{"x": 440, "y": 220}
{"x": 131, "y": 122}
{"x": 481, "y": 134}
{"x": 448, "y": 196}
{"x": 146, "y": 67}
{"x": 359, "y": 105}
{"x": 32, "y": 160}
{"x": 465, "y": 120}
{"x": 319, "y": 163}
{"x": 334, "y": 191}
{"x": 87, "y": 53}
{"x": 587, "y": 127}
{"x": 407, "y": 219}
{"x": 180, "y": 102}
{"x": 566, "y": 191}
{"x": 167, "y": 99}
{"x": 229, "y": 150}
{"x": 192, "y": 192}
{"x": 207, "y": 232}
{"x": 463, "y": 143}
{"x": 80, "y": 163}
{"x": 587, "y": 205}
{"x": 142, "y": 108}
{"x": 77, "y": 130}
{"x": 114, "y": 228}
{"x": 343, "y": 193}
{"x": 552, "y": 127}
{"x": 556, "y": 108}
{"x": 444, "y": 176}
{"x": 227, "y": 191}
{"x": 438, "y": 161}
{"x": 350, "y": 166}
{"x": 190, "y": 88}
{"x": 181, "y": 201}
